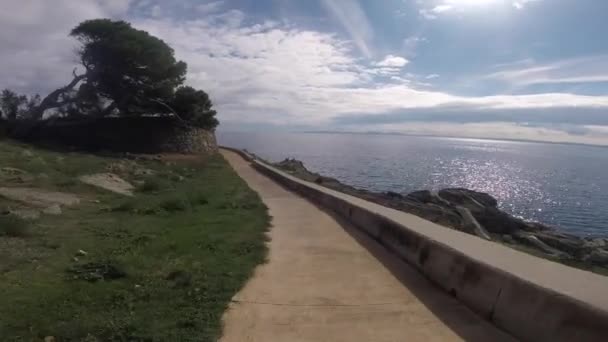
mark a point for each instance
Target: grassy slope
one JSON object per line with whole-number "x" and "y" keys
{"x": 208, "y": 229}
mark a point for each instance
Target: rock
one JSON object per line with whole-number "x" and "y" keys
{"x": 39, "y": 198}
{"x": 570, "y": 244}
{"x": 180, "y": 278}
{"x": 49, "y": 339}
{"x": 471, "y": 225}
{"x": 110, "y": 182}
{"x": 26, "y": 214}
{"x": 508, "y": 239}
{"x": 468, "y": 198}
{"x": 293, "y": 165}
{"x": 598, "y": 257}
{"x": 96, "y": 271}
{"x": 141, "y": 172}
{"x": 394, "y": 195}
{"x": 596, "y": 243}
{"x": 11, "y": 171}
{"x": 55, "y": 209}
{"x": 533, "y": 241}
{"x": 423, "y": 196}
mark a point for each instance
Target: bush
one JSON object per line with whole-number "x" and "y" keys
{"x": 152, "y": 184}
{"x": 126, "y": 206}
{"x": 174, "y": 204}
{"x": 13, "y": 226}
{"x": 198, "y": 199}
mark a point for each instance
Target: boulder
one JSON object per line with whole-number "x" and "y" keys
{"x": 54, "y": 209}
{"x": 468, "y": 198}
{"x": 598, "y": 257}
{"x": 110, "y": 182}
{"x": 39, "y": 197}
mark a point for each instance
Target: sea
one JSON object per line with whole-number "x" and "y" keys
{"x": 562, "y": 185}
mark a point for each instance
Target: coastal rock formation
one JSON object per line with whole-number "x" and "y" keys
{"x": 475, "y": 213}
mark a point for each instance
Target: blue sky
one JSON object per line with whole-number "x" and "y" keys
{"x": 520, "y": 69}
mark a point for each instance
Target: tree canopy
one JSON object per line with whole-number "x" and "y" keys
{"x": 194, "y": 106}
{"x": 14, "y": 106}
{"x": 127, "y": 72}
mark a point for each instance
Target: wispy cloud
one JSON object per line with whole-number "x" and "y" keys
{"x": 575, "y": 70}
{"x": 520, "y": 4}
{"x": 432, "y": 10}
{"x": 354, "y": 20}
{"x": 411, "y": 44}
{"x": 210, "y": 7}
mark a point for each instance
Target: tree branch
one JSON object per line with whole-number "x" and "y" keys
{"x": 52, "y": 100}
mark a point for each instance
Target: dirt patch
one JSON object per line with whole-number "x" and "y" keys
{"x": 128, "y": 167}
{"x": 96, "y": 271}
{"x": 175, "y": 157}
{"x": 110, "y": 182}
{"x": 39, "y": 198}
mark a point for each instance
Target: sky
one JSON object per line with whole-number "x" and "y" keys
{"x": 515, "y": 69}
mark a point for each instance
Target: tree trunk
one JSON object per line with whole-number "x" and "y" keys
{"x": 52, "y": 100}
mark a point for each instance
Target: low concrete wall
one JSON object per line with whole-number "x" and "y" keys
{"x": 531, "y": 298}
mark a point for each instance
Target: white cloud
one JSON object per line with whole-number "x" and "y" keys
{"x": 577, "y": 70}
{"x": 392, "y": 61}
{"x": 36, "y": 52}
{"x": 441, "y": 8}
{"x": 520, "y": 4}
{"x": 156, "y": 11}
{"x": 427, "y": 14}
{"x": 354, "y": 20}
{"x": 431, "y": 76}
{"x": 210, "y": 7}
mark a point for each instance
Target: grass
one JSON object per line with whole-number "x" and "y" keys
{"x": 13, "y": 226}
{"x": 178, "y": 251}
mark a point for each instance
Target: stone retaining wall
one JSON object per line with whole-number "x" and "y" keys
{"x": 135, "y": 134}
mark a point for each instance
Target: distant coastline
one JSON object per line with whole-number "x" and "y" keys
{"x": 451, "y": 137}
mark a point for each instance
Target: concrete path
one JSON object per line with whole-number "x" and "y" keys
{"x": 325, "y": 281}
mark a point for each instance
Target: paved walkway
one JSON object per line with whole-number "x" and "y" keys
{"x": 325, "y": 281}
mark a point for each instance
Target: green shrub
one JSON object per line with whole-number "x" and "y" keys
{"x": 153, "y": 184}
{"x": 198, "y": 199}
{"x": 13, "y": 226}
{"x": 125, "y": 206}
{"x": 174, "y": 204}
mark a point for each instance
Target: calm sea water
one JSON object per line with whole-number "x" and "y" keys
{"x": 557, "y": 184}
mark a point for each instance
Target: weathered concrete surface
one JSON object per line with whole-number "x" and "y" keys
{"x": 531, "y": 298}
{"x": 326, "y": 281}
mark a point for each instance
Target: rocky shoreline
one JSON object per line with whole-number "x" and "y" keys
{"x": 478, "y": 214}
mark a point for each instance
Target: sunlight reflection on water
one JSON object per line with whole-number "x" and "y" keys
{"x": 551, "y": 183}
